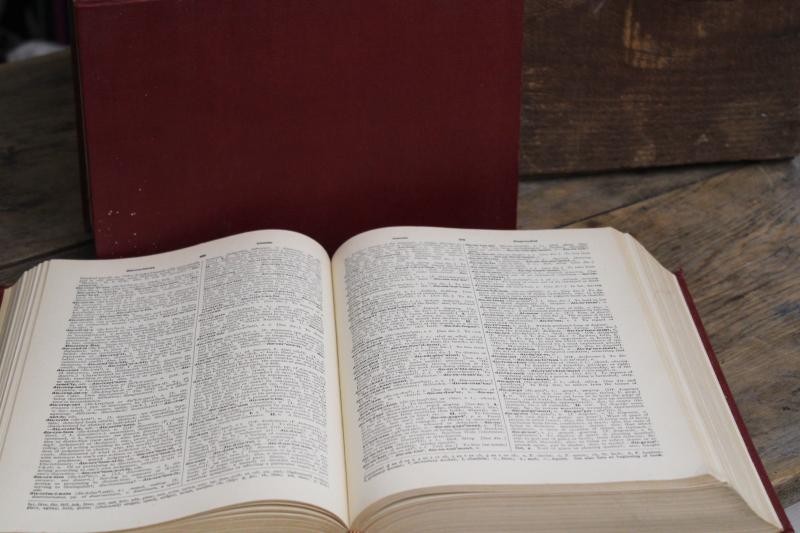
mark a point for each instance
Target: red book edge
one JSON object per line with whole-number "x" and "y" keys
{"x": 748, "y": 442}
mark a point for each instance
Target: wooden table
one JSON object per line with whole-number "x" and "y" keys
{"x": 734, "y": 229}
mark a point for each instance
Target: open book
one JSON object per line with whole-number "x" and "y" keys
{"x": 422, "y": 380}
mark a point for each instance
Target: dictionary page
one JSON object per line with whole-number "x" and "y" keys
{"x": 477, "y": 357}
{"x": 164, "y": 386}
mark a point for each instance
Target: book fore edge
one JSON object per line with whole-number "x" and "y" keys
{"x": 748, "y": 442}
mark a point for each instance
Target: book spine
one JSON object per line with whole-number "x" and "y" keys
{"x": 751, "y": 449}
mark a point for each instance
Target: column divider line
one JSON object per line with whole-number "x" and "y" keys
{"x": 486, "y": 345}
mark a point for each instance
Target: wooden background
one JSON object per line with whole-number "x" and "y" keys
{"x": 622, "y": 83}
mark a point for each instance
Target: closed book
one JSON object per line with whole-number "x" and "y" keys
{"x": 205, "y": 118}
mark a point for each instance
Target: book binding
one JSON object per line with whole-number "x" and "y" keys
{"x": 726, "y": 391}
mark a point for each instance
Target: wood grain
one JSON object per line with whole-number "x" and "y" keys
{"x": 737, "y": 237}
{"x": 558, "y": 201}
{"x": 40, "y": 204}
{"x": 613, "y": 84}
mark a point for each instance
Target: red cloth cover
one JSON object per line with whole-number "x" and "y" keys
{"x": 205, "y": 118}
{"x": 726, "y": 391}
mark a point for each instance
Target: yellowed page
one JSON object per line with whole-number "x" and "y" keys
{"x": 499, "y": 357}
{"x": 163, "y": 386}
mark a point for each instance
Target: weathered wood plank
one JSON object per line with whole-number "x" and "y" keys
{"x": 622, "y": 83}
{"x": 737, "y": 236}
{"x": 557, "y": 201}
{"x": 40, "y": 204}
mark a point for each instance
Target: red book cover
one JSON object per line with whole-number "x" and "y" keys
{"x": 726, "y": 391}
{"x": 204, "y": 118}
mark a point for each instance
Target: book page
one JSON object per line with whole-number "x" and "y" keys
{"x": 164, "y": 386}
{"x": 496, "y": 358}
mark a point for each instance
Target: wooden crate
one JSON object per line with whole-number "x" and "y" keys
{"x": 621, "y": 83}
